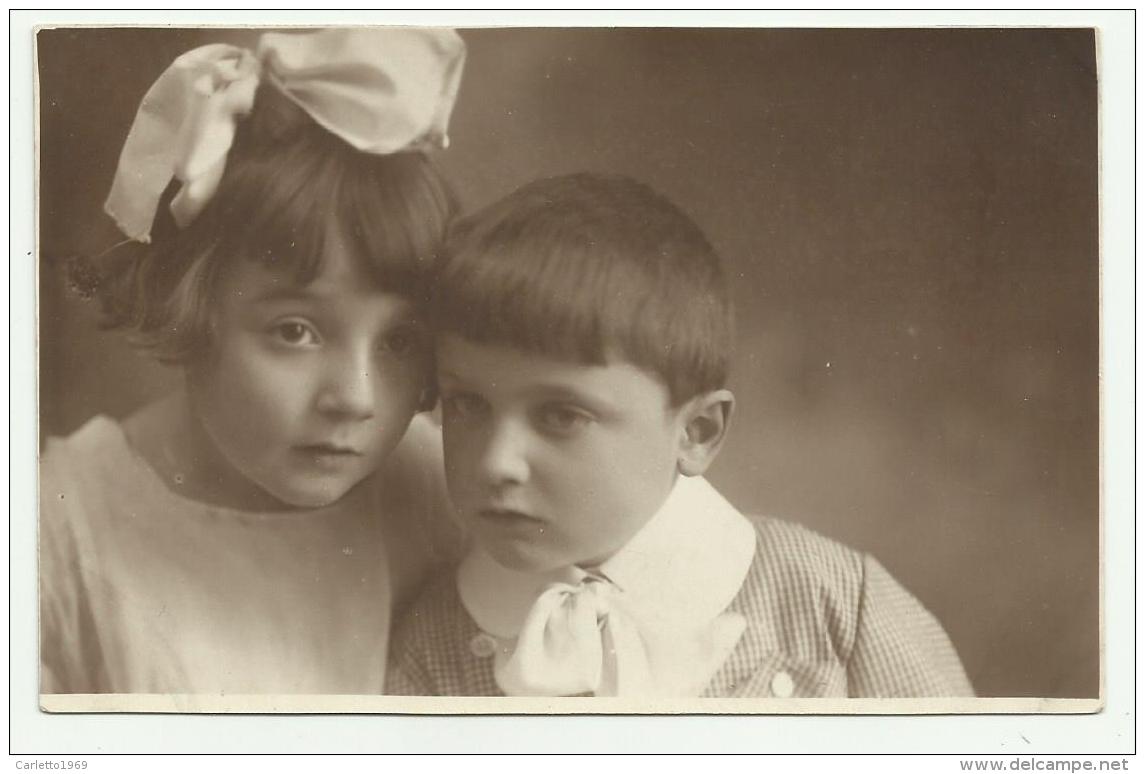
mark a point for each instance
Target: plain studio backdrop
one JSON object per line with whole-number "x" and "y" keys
{"x": 909, "y": 222}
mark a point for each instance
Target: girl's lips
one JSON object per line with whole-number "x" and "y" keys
{"x": 509, "y": 518}
{"x": 328, "y": 457}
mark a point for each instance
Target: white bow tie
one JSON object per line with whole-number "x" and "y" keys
{"x": 580, "y": 639}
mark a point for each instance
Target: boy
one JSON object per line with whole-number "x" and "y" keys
{"x": 584, "y": 334}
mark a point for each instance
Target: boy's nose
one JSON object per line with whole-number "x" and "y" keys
{"x": 505, "y": 458}
{"x": 348, "y": 391}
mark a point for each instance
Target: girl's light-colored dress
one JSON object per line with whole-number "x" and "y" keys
{"x": 145, "y": 591}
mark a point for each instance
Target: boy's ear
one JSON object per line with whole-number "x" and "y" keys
{"x": 706, "y": 419}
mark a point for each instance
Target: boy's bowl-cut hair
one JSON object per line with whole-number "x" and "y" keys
{"x": 591, "y": 268}
{"x": 287, "y": 181}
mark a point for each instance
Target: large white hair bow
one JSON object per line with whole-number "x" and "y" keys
{"x": 382, "y": 90}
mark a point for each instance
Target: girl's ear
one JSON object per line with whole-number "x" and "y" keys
{"x": 706, "y": 419}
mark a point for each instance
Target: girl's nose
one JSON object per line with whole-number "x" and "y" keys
{"x": 348, "y": 391}
{"x": 505, "y": 458}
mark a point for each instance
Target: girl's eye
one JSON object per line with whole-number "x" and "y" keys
{"x": 563, "y": 418}
{"x": 295, "y": 333}
{"x": 463, "y": 405}
{"x": 402, "y": 341}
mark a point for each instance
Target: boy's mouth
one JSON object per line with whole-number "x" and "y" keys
{"x": 327, "y": 451}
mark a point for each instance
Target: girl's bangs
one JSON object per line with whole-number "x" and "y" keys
{"x": 394, "y": 212}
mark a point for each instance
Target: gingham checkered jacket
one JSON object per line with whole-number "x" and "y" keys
{"x": 822, "y": 620}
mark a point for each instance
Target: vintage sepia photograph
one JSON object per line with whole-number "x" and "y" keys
{"x": 544, "y": 370}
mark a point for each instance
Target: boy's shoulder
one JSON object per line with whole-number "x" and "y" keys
{"x": 789, "y": 543}
{"x": 833, "y": 621}
{"x": 806, "y": 581}
{"x": 795, "y": 558}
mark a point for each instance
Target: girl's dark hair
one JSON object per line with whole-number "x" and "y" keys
{"x": 287, "y": 181}
{"x": 586, "y": 268}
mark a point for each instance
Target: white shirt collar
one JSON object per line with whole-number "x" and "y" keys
{"x": 681, "y": 570}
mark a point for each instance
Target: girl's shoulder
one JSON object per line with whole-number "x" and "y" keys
{"x": 89, "y": 481}
{"x": 99, "y": 434}
{"x": 94, "y": 458}
{"x": 95, "y": 487}
{"x": 92, "y": 488}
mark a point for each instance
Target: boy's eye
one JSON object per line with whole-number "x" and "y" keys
{"x": 462, "y": 405}
{"x": 563, "y": 418}
{"x": 295, "y": 333}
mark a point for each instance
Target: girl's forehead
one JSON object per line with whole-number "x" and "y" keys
{"x": 342, "y": 262}
{"x": 341, "y": 288}
{"x": 341, "y": 270}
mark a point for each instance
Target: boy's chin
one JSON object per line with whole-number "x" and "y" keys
{"x": 521, "y": 556}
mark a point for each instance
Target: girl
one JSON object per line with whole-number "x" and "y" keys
{"x": 252, "y": 532}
